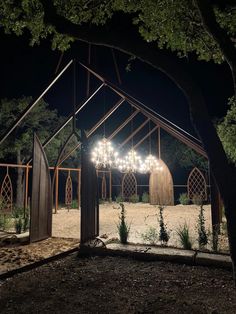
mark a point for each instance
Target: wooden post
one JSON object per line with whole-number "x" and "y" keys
{"x": 78, "y": 191}
{"x": 26, "y": 185}
{"x": 56, "y": 190}
{"x": 216, "y": 205}
{"x": 159, "y": 142}
{"x": 110, "y": 187}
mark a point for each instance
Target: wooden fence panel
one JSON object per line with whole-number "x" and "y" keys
{"x": 41, "y": 199}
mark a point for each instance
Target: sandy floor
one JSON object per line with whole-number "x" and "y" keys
{"x": 140, "y": 217}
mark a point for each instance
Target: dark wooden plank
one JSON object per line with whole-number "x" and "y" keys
{"x": 41, "y": 199}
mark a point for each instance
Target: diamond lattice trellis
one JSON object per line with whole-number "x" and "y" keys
{"x": 197, "y": 185}
{"x": 129, "y": 186}
{"x": 68, "y": 191}
{"x": 6, "y": 194}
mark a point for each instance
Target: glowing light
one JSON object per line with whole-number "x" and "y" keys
{"x": 104, "y": 155}
{"x": 151, "y": 163}
{"x": 131, "y": 162}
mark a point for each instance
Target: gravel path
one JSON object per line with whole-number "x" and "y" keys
{"x": 140, "y": 217}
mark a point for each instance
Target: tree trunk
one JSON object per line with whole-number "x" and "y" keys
{"x": 20, "y": 182}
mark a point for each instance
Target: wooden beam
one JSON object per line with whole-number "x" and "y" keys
{"x": 117, "y": 130}
{"x": 135, "y": 132}
{"x": 146, "y": 136}
{"x": 91, "y": 131}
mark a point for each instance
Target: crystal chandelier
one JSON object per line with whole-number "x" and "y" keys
{"x": 131, "y": 163}
{"x": 151, "y": 164}
{"x": 103, "y": 155}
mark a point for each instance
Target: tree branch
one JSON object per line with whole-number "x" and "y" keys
{"x": 219, "y": 35}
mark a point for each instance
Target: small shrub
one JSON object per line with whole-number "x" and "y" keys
{"x": 74, "y": 204}
{"x": 18, "y": 225}
{"x": 197, "y": 200}
{"x": 26, "y": 222}
{"x": 183, "y": 234}
{"x": 122, "y": 226}
{"x": 164, "y": 234}
{"x": 18, "y": 212}
{"x": 202, "y": 235}
{"x": 5, "y": 222}
{"x": 145, "y": 197}
{"x": 119, "y": 199}
{"x": 151, "y": 236}
{"x": 134, "y": 198}
{"x": 183, "y": 199}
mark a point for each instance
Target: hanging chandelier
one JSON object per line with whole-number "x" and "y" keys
{"x": 151, "y": 164}
{"x": 131, "y": 162}
{"x": 104, "y": 155}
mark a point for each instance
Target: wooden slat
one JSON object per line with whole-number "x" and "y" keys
{"x": 41, "y": 199}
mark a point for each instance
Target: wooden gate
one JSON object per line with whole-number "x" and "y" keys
{"x": 41, "y": 199}
{"x": 89, "y": 195}
{"x": 197, "y": 186}
{"x": 161, "y": 190}
{"x": 129, "y": 186}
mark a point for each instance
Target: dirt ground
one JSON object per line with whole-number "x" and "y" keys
{"x": 140, "y": 217}
{"x": 14, "y": 255}
{"x": 118, "y": 285}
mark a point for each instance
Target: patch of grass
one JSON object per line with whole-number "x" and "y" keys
{"x": 184, "y": 237}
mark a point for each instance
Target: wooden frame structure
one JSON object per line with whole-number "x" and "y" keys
{"x": 138, "y": 107}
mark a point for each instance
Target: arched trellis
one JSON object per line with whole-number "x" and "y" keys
{"x": 161, "y": 189}
{"x": 6, "y": 195}
{"x": 129, "y": 186}
{"x": 196, "y": 185}
{"x": 68, "y": 190}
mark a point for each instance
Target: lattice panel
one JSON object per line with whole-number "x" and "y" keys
{"x": 68, "y": 191}
{"x": 6, "y": 195}
{"x": 104, "y": 187}
{"x": 197, "y": 185}
{"x": 129, "y": 186}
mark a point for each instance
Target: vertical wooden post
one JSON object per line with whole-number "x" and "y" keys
{"x": 26, "y": 186}
{"x": 216, "y": 205}
{"x": 56, "y": 190}
{"x": 110, "y": 187}
{"x": 78, "y": 191}
{"x": 159, "y": 142}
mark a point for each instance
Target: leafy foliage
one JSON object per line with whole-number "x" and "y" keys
{"x": 151, "y": 236}
{"x": 134, "y": 198}
{"x": 202, "y": 235}
{"x": 175, "y": 25}
{"x": 145, "y": 197}
{"x": 164, "y": 234}
{"x": 183, "y": 199}
{"x": 123, "y": 228}
{"x": 40, "y": 119}
{"x": 227, "y": 131}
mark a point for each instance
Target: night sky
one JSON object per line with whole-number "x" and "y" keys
{"x": 27, "y": 71}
